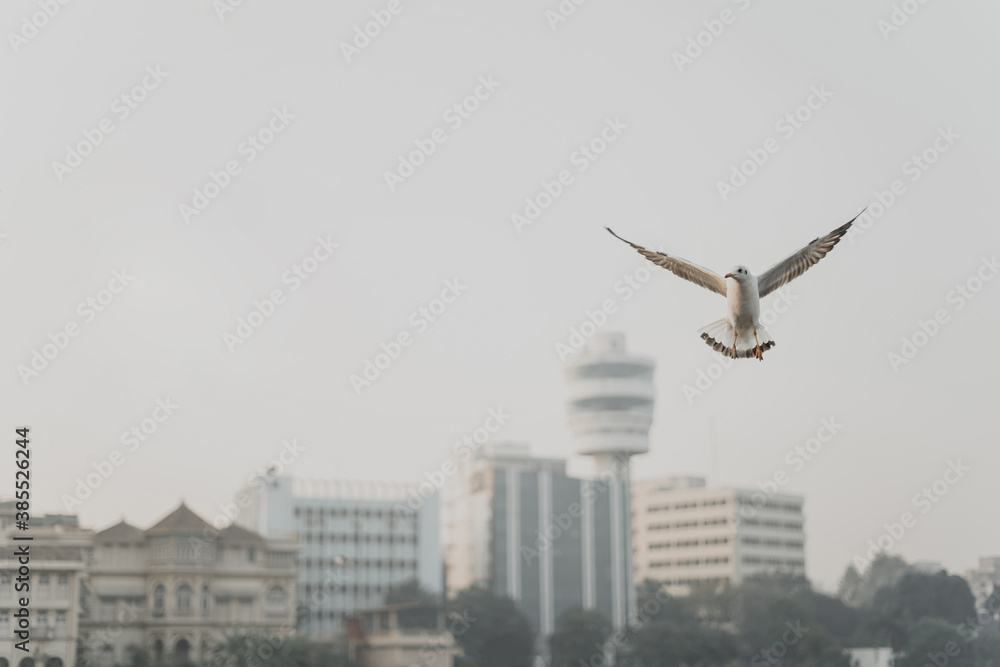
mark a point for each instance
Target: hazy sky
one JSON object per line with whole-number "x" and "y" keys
{"x": 308, "y": 136}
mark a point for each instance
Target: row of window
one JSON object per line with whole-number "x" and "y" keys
{"x": 771, "y": 542}
{"x": 275, "y": 600}
{"x": 692, "y": 523}
{"x": 372, "y": 563}
{"x": 780, "y": 562}
{"x": 770, "y": 504}
{"x": 688, "y": 504}
{"x": 360, "y": 537}
{"x": 771, "y": 523}
{"x": 690, "y": 562}
{"x": 42, "y": 586}
{"x": 680, "y": 544}
{"x": 684, "y": 581}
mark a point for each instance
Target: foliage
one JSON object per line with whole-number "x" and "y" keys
{"x": 491, "y": 630}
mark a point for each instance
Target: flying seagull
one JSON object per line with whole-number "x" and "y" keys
{"x": 741, "y": 326}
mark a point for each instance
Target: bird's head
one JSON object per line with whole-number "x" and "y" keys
{"x": 739, "y": 273}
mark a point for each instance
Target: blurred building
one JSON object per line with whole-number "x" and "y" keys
{"x": 685, "y": 532}
{"x": 175, "y": 588}
{"x": 522, "y": 527}
{"x": 871, "y": 657}
{"x": 58, "y": 551}
{"x": 402, "y": 635}
{"x": 983, "y": 578}
{"x": 357, "y": 541}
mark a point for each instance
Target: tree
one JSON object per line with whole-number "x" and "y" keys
{"x": 934, "y": 641}
{"x": 410, "y": 591}
{"x": 490, "y": 629}
{"x": 918, "y": 596}
{"x": 579, "y": 633}
{"x": 859, "y": 589}
{"x": 252, "y": 649}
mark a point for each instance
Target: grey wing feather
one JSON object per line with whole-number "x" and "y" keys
{"x": 794, "y": 266}
{"x": 681, "y": 267}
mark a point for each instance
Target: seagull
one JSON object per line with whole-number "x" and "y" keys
{"x": 743, "y": 292}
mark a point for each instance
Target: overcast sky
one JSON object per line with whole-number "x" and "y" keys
{"x": 328, "y": 122}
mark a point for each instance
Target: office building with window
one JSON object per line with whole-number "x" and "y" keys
{"x": 176, "y": 587}
{"x": 686, "y": 532}
{"x": 58, "y": 551}
{"x": 357, "y": 541}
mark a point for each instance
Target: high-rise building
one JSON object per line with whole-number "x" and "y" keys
{"x": 686, "y": 532}
{"x": 357, "y": 541}
{"x": 610, "y": 408}
{"x": 523, "y": 528}
{"x": 58, "y": 553}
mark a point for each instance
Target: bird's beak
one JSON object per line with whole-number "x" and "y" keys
{"x": 728, "y": 275}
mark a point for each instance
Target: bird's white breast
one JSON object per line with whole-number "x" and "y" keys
{"x": 743, "y": 301}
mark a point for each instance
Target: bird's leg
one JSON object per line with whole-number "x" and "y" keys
{"x": 736, "y": 335}
{"x": 760, "y": 355}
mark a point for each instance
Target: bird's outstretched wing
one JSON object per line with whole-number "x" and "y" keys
{"x": 681, "y": 267}
{"x": 794, "y": 266}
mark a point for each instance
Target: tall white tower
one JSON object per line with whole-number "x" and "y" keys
{"x": 610, "y": 408}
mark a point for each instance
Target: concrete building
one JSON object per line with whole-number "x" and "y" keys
{"x": 403, "y": 635}
{"x": 357, "y": 541}
{"x": 59, "y": 551}
{"x": 525, "y": 529}
{"x": 983, "y": 578}
{"x": 177, "y": 586}
{"x": 686, "y": 532}
{"x": 610, "y": 410}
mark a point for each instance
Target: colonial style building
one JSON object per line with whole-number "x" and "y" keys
{"x": 58, "y": 553}
{"x": 178, "y": 586}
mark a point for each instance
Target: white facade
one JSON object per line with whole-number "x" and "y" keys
{"x": 357, "y": 540}
{"x": 983, "y": 578}
{"x": 871, "y": 657}
{"x": 686, "y": 532}
{"x": 58, "y": 555}
{"x": 175, "y": 588}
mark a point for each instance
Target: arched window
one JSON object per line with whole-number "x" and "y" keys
{"x": 184, "y": 594}
{"x": 275, "y": 601}
{"x": 204, "y": 600}
{"x": 54, "y": 662}
{"x": 158, "y": 650}
{"x": 4, "y": 662}
{"x": 159, "y": 600}
{"x": 26, "y": 662}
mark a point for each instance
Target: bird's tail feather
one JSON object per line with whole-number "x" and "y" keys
{"x": 719, "y": 336}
